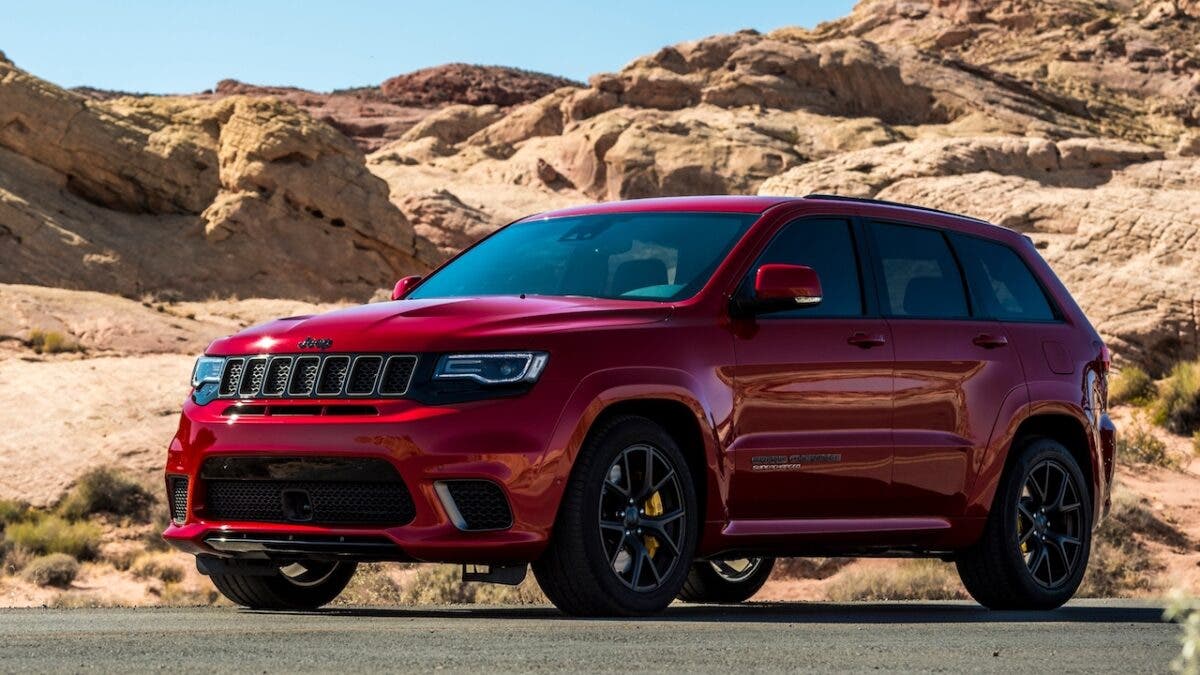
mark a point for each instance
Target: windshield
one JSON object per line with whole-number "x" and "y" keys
{"x": 637, "y": 256}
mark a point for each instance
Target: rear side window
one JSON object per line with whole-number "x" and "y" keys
{"x": 918, "y": 273}
{"x": 1001, "y": 282}
{"x": 827, "y": 246}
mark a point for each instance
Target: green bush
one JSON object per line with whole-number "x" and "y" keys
{"x": 1178, "y": 404}
{"x": 1137, "y": 444}
{"x": 52, "y": 534}
{"x": 107, "y": 490}
{"x": 1131, "y": 385}
{"x": 57, "y": 569}
{"x": 12, "y": 511}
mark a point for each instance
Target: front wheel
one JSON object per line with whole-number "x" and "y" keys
{"x": 1035, "y": 546}
{"x": 297, "y": 585}
{"x": 726, "y": 581}
{"x": 627, "y": 528}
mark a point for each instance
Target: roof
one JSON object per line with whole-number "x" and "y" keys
{"x": 722, "y": 204}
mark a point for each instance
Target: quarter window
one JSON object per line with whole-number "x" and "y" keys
{"x": 919, "y": 275}
{"x": 827, "y": 246}
{"x": 1001, "y": 282}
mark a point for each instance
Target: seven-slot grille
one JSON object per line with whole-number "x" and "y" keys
{"x": 324, "y": 376}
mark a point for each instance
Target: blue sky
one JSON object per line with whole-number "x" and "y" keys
{"x": 168, "y": 46}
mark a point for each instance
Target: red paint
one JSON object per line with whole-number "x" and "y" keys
{"x": 920, "y": 414}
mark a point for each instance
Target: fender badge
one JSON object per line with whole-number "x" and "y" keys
{"x": 315, "y": 343}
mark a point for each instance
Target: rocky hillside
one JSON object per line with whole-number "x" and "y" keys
{"x": 1074, "y": 121}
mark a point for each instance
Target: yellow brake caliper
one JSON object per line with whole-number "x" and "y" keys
{"x": 1020, "y": 533}
{"x": 654, "y": 508}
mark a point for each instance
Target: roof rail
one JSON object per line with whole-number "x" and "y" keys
{"x": 884, "y": 202}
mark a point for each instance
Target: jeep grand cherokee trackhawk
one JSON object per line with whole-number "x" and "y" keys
{"x": 651, "y": 400}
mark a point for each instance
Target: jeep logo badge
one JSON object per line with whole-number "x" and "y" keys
{"x": 315, "y": 343}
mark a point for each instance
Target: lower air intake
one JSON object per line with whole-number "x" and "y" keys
{"x": 476, "y": 504}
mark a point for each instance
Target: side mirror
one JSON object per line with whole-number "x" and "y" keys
{"x": 779, "y": 288}
{"x": 404, "y": 286}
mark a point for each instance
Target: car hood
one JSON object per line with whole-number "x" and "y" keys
{"x": 494, "y": 322}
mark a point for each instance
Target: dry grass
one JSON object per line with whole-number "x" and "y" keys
{"x": 14, "y": 558}
{"x": 1186, "y": 612}
{"x": 57, "y": 569}
{"x": 107, "y": 490}
{"x": 159, "y": 566}
{"x": 51, "y": 342}
{"x": 376, "y": 584}
{"x": 1131, "y": 385}
{"x": 1121, "y": 564}
{"x": 908, "y": 580}
{"x": 52, "y": 534}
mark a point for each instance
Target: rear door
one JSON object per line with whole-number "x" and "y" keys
{"x": 813, "y": 408}
{"x": 954, "y": 368}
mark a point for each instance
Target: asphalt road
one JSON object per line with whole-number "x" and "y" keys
{"x": 1087, "y": 636}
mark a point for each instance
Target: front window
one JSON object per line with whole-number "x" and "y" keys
{"x": 636, "y": 256}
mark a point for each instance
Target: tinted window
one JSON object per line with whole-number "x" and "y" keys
{"x": 1001, "y": 282}
{"x": 828, "y": 247}
{"x": 920, "y": 277}
{"x": 636, "y": 256}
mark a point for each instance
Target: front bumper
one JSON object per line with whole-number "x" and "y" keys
{"x": 504, "y": 441}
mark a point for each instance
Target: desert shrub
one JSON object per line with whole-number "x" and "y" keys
{"x": 106, "y": 490}
{"x": 808, "y": 568}
{"x": 157, "y": 566}
{"x": 1186, "y": 612}
{"x": 439, "y": 585}
{"x": 1196, "y": 443}
{"x": 372, "y": 585}
{"x": 52, "y": 534}
{"x": 1178, "y": 405}
{"x": 1131, "y": 385}
{"x": 176, "y": 595}
{"x": 14, "y": 558}
{"x": 12, "y": 511}
{"x": 907, "y": 580}
{"x": 1137, "y": 444}
{"x": 56, "y": 569}
{"x": 50, "y": 342}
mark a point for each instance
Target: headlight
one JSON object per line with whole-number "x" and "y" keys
{"x": 496, "y": 368}
{"x": 206, "y": 378}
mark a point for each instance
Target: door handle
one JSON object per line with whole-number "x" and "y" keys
{"x": 989, "y": 341}
{"x": 866, "y": 341}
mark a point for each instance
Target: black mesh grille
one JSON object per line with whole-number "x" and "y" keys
{"x": 232, "y": 376}
{"x": 306, "y": 376}
{"x": 333, "y": 375}
{"x": 324, "y": 376}
{"x": 481, "y": 504}
{"x": 252, "y": 380}
{"x": 277, "y": 376}
{"x": 364, "y": 374}
{"x": 397, "y": 374}
{"x": 330, "y": 491}
{"x": 179, "y": 490}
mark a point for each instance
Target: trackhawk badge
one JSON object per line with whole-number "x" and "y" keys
{"x": 315, "y": 343}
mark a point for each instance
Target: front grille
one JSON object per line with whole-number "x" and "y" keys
{"x": 324, "y": 376}
{"x": 179, "y": 492}
{"x": 328, "y": 491}
{"x": 481, "y": 504}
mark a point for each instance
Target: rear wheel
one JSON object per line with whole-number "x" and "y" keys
{"x": 1035, "y": 546}
{"x": 726, "y": 581}
{"x": 626, "y": 530}
{"x": 297, "y": 585}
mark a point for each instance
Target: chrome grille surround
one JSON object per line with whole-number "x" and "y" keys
{"x": 301, "y": 376}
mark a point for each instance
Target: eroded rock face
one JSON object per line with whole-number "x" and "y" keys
{"x": 471, "y": 84}
{"x": 246, "y": 196}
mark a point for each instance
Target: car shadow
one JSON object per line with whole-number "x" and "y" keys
{"x": 789, "y": 612}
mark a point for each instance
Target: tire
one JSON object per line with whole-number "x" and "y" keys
{"x": 617, "y": 569}
{"x": 289, "y": 588}
{"x": 724, "y": 582}
{"x": 1034, "y": 549}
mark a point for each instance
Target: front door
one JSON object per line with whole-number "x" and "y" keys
{"x": 813, "y": 407}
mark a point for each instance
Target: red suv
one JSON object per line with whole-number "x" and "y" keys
{"x": 650, "y": 400}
